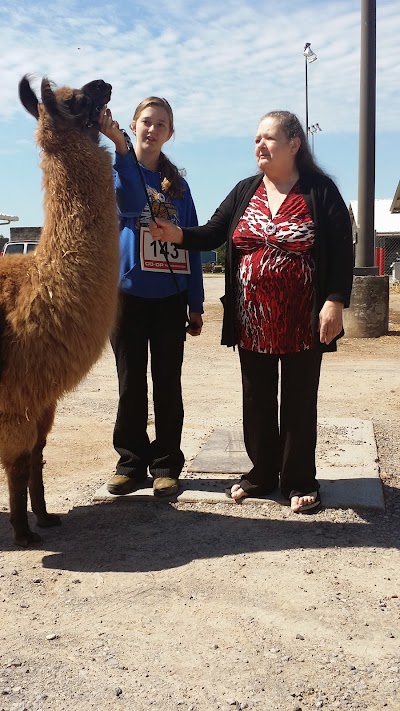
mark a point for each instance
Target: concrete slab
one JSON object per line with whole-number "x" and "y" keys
{"x": 346, "y": 459}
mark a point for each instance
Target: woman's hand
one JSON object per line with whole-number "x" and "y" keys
{"x": 166, "y": 231}
{"x": 195, "y": 324}
{"x": 111, "y": 130}
{"x": 330, "y": 321}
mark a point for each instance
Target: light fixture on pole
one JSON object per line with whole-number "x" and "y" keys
{"x": 309, "y": 56}
{"x": 315, "y": 128}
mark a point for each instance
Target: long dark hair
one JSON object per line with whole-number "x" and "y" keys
{"x": 171, "y": 176}
{"x": 292, "y": 128}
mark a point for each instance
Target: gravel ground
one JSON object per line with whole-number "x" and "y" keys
{"x": 193, "y": 607}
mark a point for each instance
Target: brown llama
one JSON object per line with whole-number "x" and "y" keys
{"x": 57, "y": 306}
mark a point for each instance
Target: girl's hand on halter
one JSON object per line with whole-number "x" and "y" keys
{"x": 165, "y": 231}
{"x": 110, "y": 128}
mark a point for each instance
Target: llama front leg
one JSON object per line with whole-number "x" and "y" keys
{"x": 36, "y": 492}
{"x": 18, "y": 476}
{"x": 36, "y": 487}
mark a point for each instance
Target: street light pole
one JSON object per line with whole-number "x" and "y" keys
{"x": 306, "y": 66}
{"x": 309, "y": 56}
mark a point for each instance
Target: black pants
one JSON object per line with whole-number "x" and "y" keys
{"x": 281, "y": 448}
{"x": 159, "y": 323}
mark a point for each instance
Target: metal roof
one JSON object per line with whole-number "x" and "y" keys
{"x": 395, "y": 206}
{"x": 8, "y": 218}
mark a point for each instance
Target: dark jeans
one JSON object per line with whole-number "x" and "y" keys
{"x": 283, "y": 447}
{"x": 159, "y": 323}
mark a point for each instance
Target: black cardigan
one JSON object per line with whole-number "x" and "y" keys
{"x": 333, "y": 249}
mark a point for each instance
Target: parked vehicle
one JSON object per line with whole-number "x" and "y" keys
{"x": 18, "y": 248}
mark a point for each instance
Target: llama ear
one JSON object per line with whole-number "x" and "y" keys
{"x": 48, "y": 97}
{"x": 28, "y": 97}
{"x": 73, "y": 108}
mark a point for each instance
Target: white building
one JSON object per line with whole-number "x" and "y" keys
{"x": 387, "y": 229}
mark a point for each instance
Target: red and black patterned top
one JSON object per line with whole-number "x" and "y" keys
{"x": 275, "y": 274}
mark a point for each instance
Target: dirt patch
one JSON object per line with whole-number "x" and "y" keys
{"x": 189, "y": 607}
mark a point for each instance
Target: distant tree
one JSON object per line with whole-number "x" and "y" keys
{"x": 3, "y": 241}
{"x": 221, "y": 254}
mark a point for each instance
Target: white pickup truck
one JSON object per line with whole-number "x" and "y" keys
{"x": 18, "y": 248}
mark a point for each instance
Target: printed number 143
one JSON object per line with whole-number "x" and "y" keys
{"x": 162, "y": 248}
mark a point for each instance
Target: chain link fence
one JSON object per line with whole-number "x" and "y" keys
{"x": 387, "y": 251}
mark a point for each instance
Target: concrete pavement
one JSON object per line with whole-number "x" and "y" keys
{"x": 347, "y": 465}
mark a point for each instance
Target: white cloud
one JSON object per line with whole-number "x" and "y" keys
{"x": 222, "y": 66}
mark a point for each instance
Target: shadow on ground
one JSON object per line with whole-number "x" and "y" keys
{"x": 138, "y": 536}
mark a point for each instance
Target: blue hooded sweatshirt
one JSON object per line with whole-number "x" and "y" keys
{"x": 134, "y": 216}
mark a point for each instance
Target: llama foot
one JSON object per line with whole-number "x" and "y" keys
{"x": 48, "y": 520}
{"x": 27, "y": 538}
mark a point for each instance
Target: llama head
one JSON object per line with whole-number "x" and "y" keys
{"x": 64, "y": 109}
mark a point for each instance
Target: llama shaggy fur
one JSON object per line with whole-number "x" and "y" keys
{"x": 58, "y": 305}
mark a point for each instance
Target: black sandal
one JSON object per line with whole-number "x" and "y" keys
{"x": 253, "y": 490}
{"x": 306, "y": 508}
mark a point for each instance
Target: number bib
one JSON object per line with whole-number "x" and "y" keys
{"x": 152, "y": 255}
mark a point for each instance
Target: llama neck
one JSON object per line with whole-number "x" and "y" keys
{"x": 79, "y": 208}
{"x": 78, "y": 254}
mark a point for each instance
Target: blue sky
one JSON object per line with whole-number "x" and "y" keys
{"x": 220, "y": 65}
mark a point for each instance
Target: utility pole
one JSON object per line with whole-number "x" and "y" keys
{"x": 368, "y": 315}
{"x": 365, "y": 248}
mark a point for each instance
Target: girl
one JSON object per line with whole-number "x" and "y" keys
{"x": 154, "y": 301}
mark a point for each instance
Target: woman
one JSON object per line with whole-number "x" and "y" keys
{"x": 154, "y": 301}
{"x": 289, "y": 265}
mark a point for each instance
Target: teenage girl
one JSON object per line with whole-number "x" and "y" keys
{"x": 153, "y": 301}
